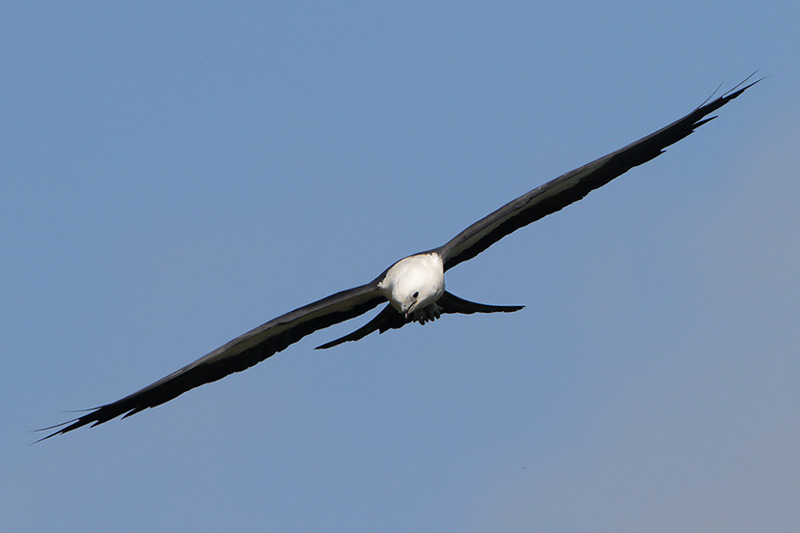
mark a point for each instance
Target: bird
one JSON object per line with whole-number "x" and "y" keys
{"x": 413, "y": 288}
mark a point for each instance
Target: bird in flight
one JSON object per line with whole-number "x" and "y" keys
{"x": 413, "y": 288}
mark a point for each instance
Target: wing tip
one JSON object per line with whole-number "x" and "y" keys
{"x": 61, "y": 428}
{"x": 95, "y": 416}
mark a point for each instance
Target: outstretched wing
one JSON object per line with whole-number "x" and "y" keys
{"x": 239, "y": 354}
{"x": 576, "y": 184}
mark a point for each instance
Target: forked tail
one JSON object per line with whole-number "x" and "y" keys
{"x": 389, "y": 318}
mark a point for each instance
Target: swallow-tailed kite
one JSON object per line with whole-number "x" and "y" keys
{"x": 414, "y": 286}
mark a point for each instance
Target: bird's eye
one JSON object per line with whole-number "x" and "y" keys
{"x": 415, "y": 295}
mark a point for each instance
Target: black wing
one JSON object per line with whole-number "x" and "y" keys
{"x": 239, "y": 354}
{"x": 574, "y": 185}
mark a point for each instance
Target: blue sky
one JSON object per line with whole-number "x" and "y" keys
{"x": 175, "y": 174}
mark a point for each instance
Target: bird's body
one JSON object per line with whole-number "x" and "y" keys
{"x": 414, "y": 287}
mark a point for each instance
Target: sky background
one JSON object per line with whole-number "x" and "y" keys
{"x": 176, "y": 173}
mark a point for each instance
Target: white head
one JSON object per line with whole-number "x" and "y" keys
{"x": 414, "y": 283}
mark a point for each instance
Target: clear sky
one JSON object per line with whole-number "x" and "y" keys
{"x": 176, "y": 173}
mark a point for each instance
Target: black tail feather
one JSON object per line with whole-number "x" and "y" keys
{"x": 389, "y": 318}
{"x": 451, "y": 303}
